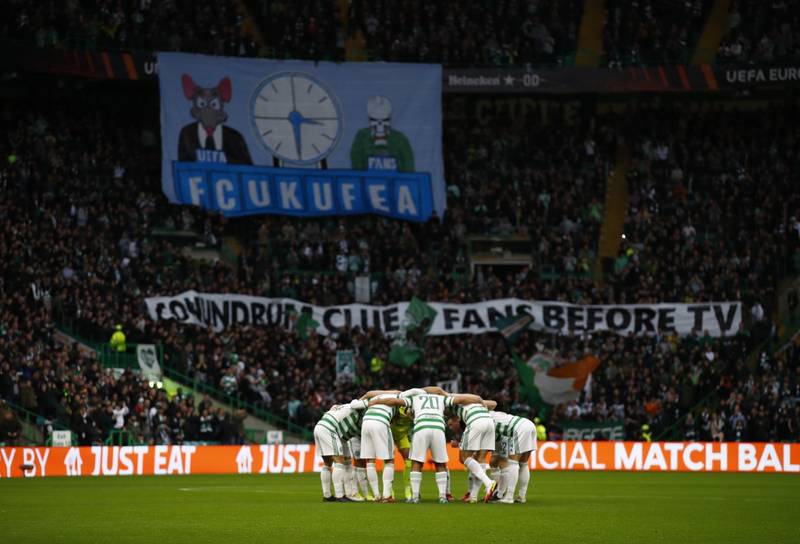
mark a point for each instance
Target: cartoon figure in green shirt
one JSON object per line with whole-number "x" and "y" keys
{"x": 379, "y": 147}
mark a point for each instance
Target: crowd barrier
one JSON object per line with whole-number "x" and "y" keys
{"x": 36, "y": 462}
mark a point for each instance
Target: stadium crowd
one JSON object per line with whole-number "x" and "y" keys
{"x": 652, "y": 32}
{"x": 513, "y": 32}
{"x": 83, "y": 256}
{"x": 762, "y": 32}
{"x": 284, "y": 29}
{"x": 540, "y": 32}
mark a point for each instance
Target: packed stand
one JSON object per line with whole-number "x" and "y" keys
{"x": 761, "y": 32}
{"x": 307, "y": 29}
{"x": 717, "y": 225}
{"x": 467, "y": 33}
{"x": 200, "y": 26}
{"x": 653, "y": 32}
{"x": 97, "y": 258}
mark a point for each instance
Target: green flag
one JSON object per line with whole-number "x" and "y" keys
{"x": 305, "y": 324}
{"x": 420, "y": 314}
{"x": 404, "y": 355}
{"x": 512, "y": 327}
{"x": 407, "y": 346}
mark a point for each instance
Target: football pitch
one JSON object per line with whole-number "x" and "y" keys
{"x": 562, "y": 507}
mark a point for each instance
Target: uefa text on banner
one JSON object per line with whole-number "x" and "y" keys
{"x": 256, "y": 136}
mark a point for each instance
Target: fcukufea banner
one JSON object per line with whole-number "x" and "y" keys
{"x": 257, "y": 136}
{"x": 220, "y": 311}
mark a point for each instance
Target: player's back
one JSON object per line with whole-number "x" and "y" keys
{"x": 505, "y": 423}
{"x": 469, "y": 413}
{"x": 346, "y": 419}
{"x": 381, "y": 412}
{"x": 429, "y": 411}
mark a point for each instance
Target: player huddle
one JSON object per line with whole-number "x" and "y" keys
{"x": 414, "y": 421}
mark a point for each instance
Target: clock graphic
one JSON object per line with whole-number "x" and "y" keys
{"x": 296, "y": 117}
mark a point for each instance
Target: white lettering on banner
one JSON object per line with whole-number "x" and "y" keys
{"x": 655, "y": 458}
{"x": 673, "y": 449}
{"x": 747, "y": 457}
{"x": 769, "y": 459}
{"x": 578, "y": 456}
{"x": 289, "y": 200}
{"x": 36, "y": 460}
{"x": 788, "y": 466}
{"x": 596, "y": 463}
{"x": 405, "y": 202}
{"x": 323, "y": 199}
{"x": 721, "y": 456}
{"x": 196, "y": 190}
{"x": 258, "y": 190}
{"x": 175, "y": 462}
{"x": 110, "y": 461}
{"x": 290, "y": 463}
{"x": 376, "y": 199}
{"x": 30, "y": 458}
{"x": 302, "y": 451}
{"x": 8, "y": 460}
{"x": 625, "y": 461}
{"x": 160, "y": 459}
{"x": 178, "y": 459}
{"x": 297, "y": 458}
{"x": 348, "y": 198}
{"x": 688, "y": 460}
{"x": 224, "y": 201}
{"x": 221, "y": 311}
{"x": 280, "y": 458}
{"x": 540, "y": 457}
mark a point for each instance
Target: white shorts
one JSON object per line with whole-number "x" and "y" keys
{"x": 428, "y": 439}
{"x": 502, "y": 447}
{"x": 376, "y": 441}
{"x": 328, "y": 442}
{"x": 524, "y": 439}
{"x": 355, "y": 446}
{"x": 479, "y": 435}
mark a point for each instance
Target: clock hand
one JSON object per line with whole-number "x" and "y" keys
{"x": 297, "y": 120}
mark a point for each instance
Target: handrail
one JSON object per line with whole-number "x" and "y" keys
{"x": 237, "y": 402}
{"x": 204, "y": 388}
{"x": 33, "y": 417}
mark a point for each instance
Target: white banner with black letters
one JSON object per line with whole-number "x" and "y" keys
{"x": 220, "y": 311}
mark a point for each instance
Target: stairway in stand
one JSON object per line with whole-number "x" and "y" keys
{"x": 615, "y": 210}
{"x": 590, "y": 34}
{"x": 715, "y": 29}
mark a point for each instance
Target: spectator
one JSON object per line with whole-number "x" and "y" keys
{"x": 10, "y": 426}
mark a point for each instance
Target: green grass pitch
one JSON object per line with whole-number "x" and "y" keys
{"x": 562, "y": 507}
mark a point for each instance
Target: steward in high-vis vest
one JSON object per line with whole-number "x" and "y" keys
{"x": 647, "y": 436}
{"x": 541, "y": 431}
{"x": 118, "y": 340}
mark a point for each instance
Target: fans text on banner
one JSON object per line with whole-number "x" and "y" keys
{"x": 220, "y": 311}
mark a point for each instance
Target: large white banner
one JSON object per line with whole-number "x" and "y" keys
{"x": 220, "y": 311}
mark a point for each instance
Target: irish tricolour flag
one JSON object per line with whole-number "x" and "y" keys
{"x": 558, "y": 381}
{"x": 546, "y": 379}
